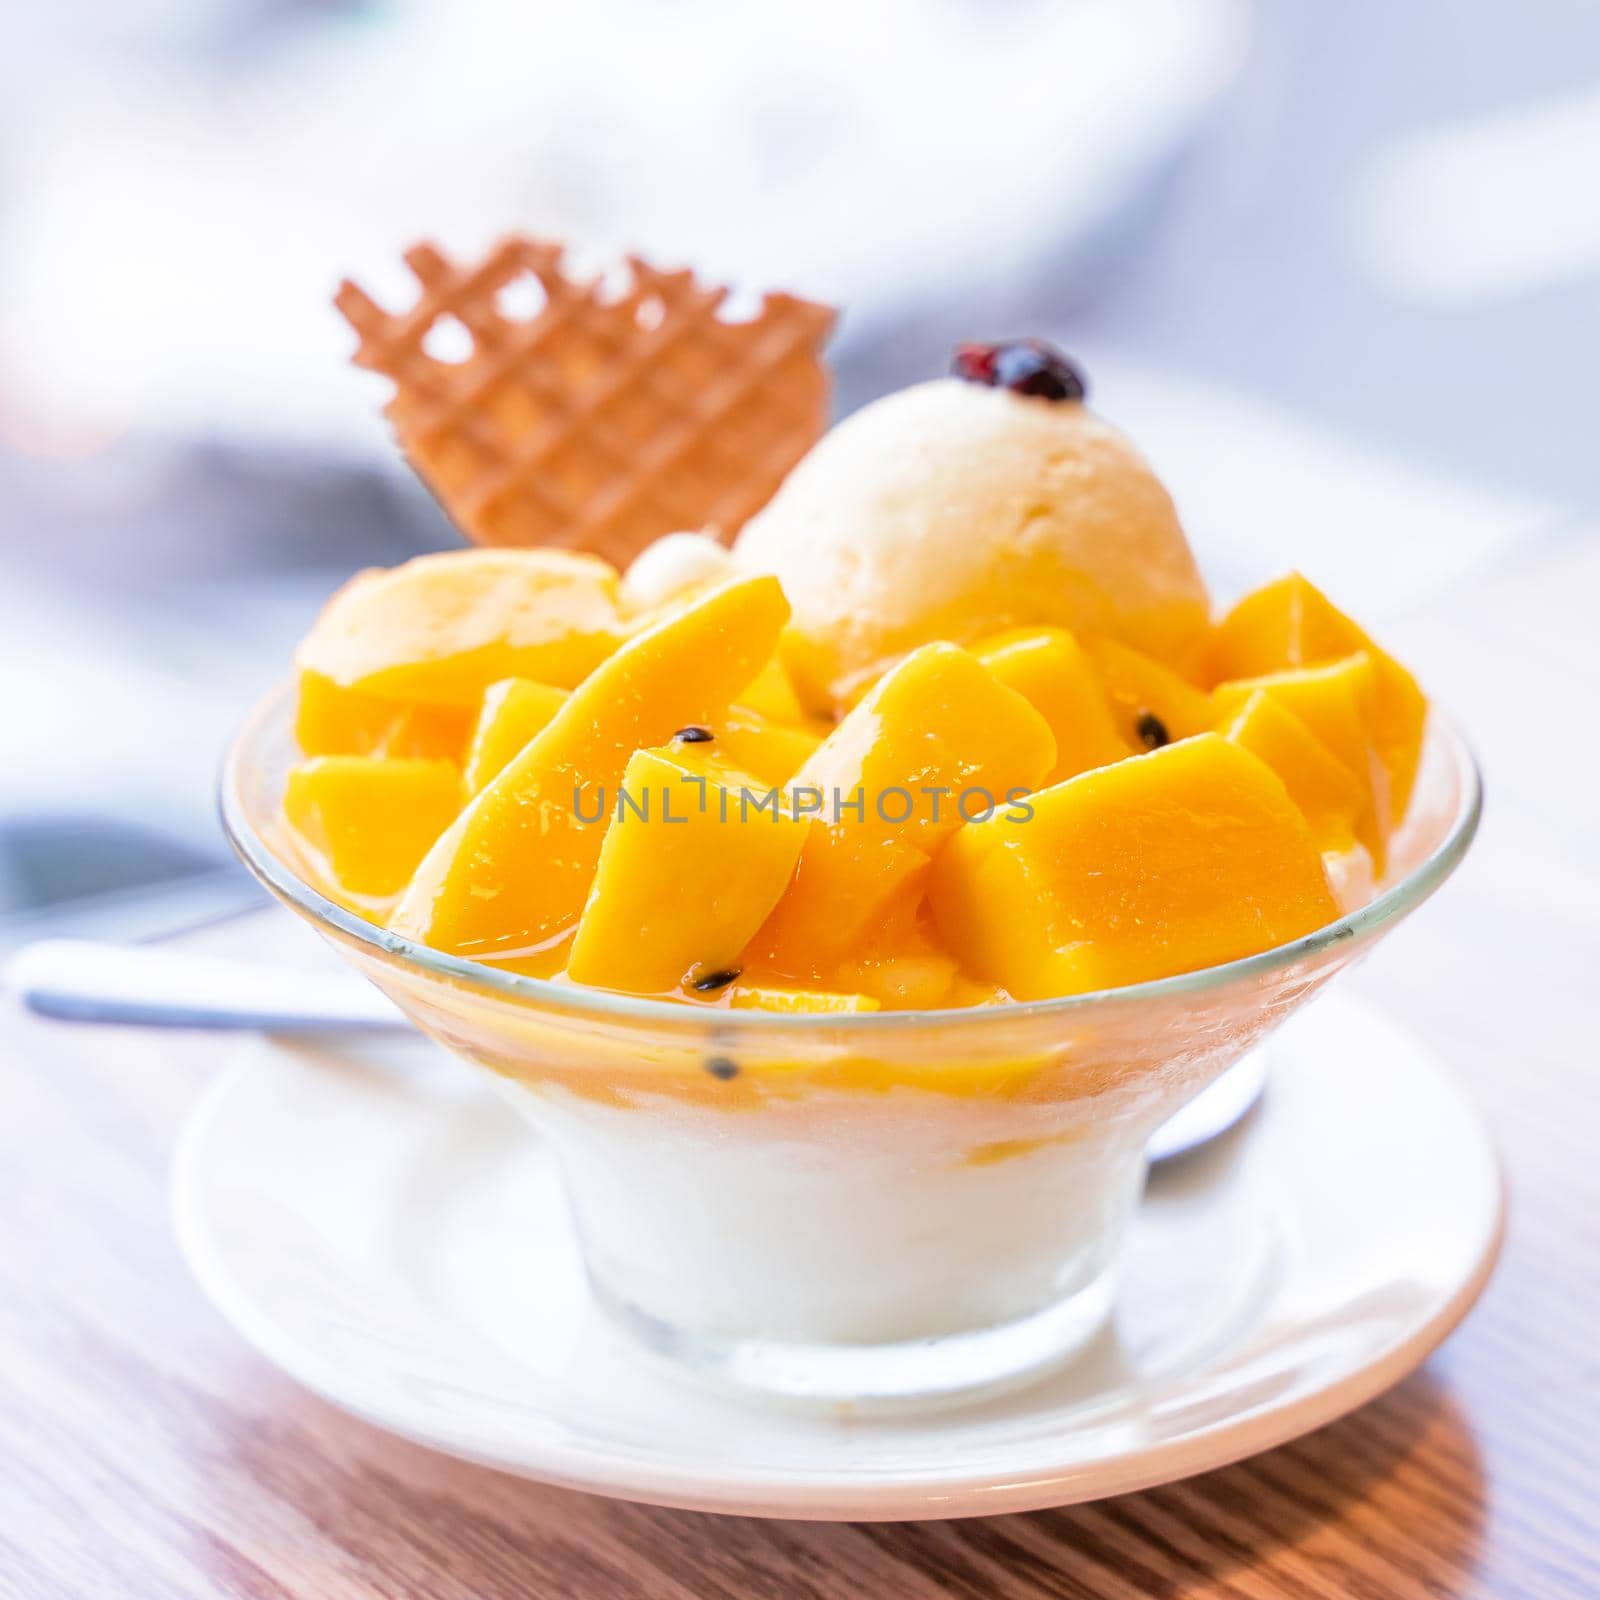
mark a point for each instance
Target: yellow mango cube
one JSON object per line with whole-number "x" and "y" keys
{"x": 936, "y": 727}
{"x": 1165, "y": 863}
{"x": 771, "y": 751}
{"x": 688, "y": 871}
{"x": 332, "y": 721}
{"x": 938, "y": 733}
{"x": 1150, "y": 703}
{"x": 846, "y": 882}
{"x": 1054, "y": 674}
{"x": 764, "y": 996}
{"x": 772, "y": 694}
{"x": 1336, "y": 703}
{"x": 1330, "y": 796}
{"x": 1291, "y": 623}
{"x": 366, "y": 822}
{"x": 510, "y": 876}
{"x": 440, "y": 629}
{"x": 513, "y": 711}
{"x": 901, "y": 962}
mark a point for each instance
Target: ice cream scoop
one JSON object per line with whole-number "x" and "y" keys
{"x": 671, "y": 567}
{"x": 954, "y": 509}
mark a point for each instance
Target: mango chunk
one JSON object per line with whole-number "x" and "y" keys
{"x": 1150, "y": 703}
{"x": 513, "y": 711}
{"x": 512, "y": 873}
{"x": 771, "y": 751}
{"x": 771, "y": 693}
{"x": 902, "y": 964}
{"x": 366, "y": 822}
{"x": 1164, "y": 863}
{"x": 937, "y": 727}
{"x": 1330, "y": 796}
{"x": 779, "y": 997}
{"x": 1336, "y": 704}
{"x": 936, "y": 733}
{"x": 844, "y": 885}
{"x": 331, "y": 721}
{"x": 1053, "y": 673}
{"x": 688, "y": 871}
{"x": 439, "y": 630}
{"x": 1291, "y": 623}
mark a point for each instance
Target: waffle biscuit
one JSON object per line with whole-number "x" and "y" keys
{"x": 601, "y": 421}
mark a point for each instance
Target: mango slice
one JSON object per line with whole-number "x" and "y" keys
{"x": 1336, "y": 703}
{"x": 779, "y": 997}
{"x": 331, "y": 721}
{"x": 937, "y": 732}
{"x": 688, "y": 871}
{"x": 771, "y": 694}
{"x": 937, "y": 727}
{"x": 846, "y": 883}
{"x": 902, "y": 963}
{"x": 771, "y": 751}
{"x": 514, "y": 710}
{"x": 1164, "y": 863}
{"x": 368, "y": 821}
{"x": 1291, "y": 623}
{"x": 439, "y": 630}
{"x": 511, "y": 874}
{"x": 1330, "y": 796}
{"x": 1053, "y": 673}
{"x": 1140, "y": 689}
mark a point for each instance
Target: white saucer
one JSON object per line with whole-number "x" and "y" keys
{"x": 397, "y": 1242}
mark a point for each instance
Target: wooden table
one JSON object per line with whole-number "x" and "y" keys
{"x": 144, "y": 1451}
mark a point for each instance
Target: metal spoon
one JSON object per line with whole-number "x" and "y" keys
{"x": 78, "y": 980}
{"x": 153, "y": 986}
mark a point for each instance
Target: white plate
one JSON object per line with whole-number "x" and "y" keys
{"x": 397, "y": 1242}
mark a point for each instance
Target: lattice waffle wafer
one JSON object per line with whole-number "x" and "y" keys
{"x": 600, "y": 422}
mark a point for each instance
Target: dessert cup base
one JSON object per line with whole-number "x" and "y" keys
{"x": 917, "y": 1374}
{"x": 378, "y": 1228}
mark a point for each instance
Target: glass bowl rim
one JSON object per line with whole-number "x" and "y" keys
{"x": 604, "y": 1005}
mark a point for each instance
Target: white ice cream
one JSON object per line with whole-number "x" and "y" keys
{"x": 674, "y": 565}
{"x": 824, "y": 1224}
{"x": 951, "y": 510}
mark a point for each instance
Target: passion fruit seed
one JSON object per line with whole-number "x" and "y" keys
{"x": 713, "y": 981}
{"x": 1152, "y": 731}
{"x": 1024, "y": 366}
{"x": 693, "y": 734}
{"x": 722, "y": 1067}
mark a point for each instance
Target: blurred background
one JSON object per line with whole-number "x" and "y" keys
{"x": 1337, "y": 268}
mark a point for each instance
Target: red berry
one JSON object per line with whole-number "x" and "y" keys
{"x": 974, "y": 362}
{"x": 1024, "y": 366}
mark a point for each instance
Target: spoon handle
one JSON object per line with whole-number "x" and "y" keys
{"x": 146, "y": 986}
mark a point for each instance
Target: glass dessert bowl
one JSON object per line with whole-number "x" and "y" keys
{"x": 819, "y": 894}
{"x": 889, "y": 1207}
